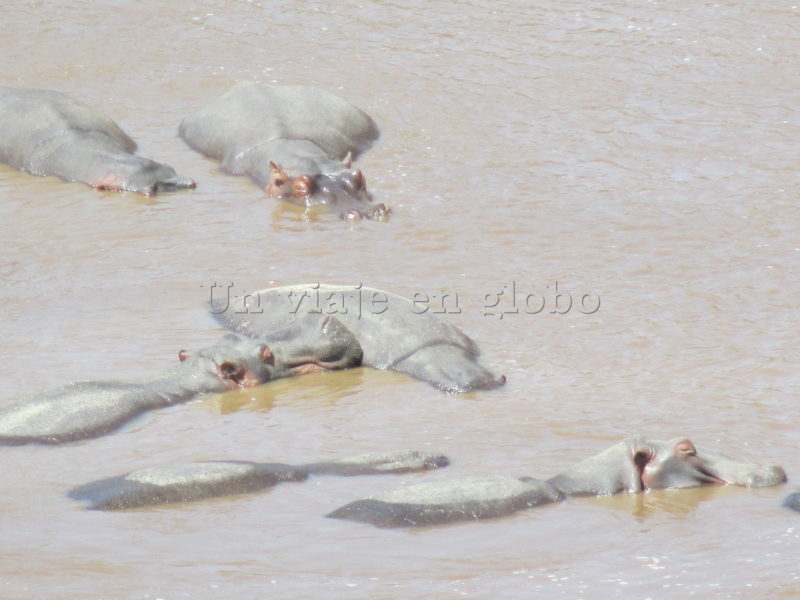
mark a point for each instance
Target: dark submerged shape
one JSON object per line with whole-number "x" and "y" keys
{"x": 391, "y": 331}
{"x": 88, "y": 409}
{"x": 634, "y": 465}
{"x": 792, "y": 501}
{"x": 295, "y": 142}
{"x": 197, "y": 481}
{"x": 48, "y": 133}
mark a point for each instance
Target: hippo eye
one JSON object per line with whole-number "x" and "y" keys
{"x": 231, "y": 370}
{"x": 302, "y": 186}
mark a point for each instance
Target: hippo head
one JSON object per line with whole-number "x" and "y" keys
{"x": 678, "y": 464}
{"x": 637, "y": 464}
{"x": 309, "y": 345}
{"x": 313, "y": 343}
{"x": 673, "y": 464}
{"x": 231, "y": 363}
{"x": 131, "y": 173}
{"x": 346, "y": 190}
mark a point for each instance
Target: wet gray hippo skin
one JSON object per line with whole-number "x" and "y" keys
{"x": 295, "y": 142}
{"x": 792, "y": 501}
{"x": 392, "y": 332}
{"x": 638, "y": 464}
{"x": 198, "y": 481}
{"x": 48, "y": 133}
{"x": 634, "y": 465}
{"x": 88, "y": 409}
{"x": 465, "y": 499}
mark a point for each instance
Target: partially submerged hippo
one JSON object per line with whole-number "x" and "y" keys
{"x": 638, "y": 464}
{"x": 634, "y": 465}
{"x": 295, "y": 142}
{"x": 197, "y": 481}
{"x": 792, "y": 501}
{"x": 88, "y": 409}
{"x": 48, "y": 133}
{"x": 464, "y": 499}
{"x": 391, "y": 330}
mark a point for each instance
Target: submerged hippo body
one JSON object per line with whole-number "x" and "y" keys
{"x": 792, "y": 501}
{"x": 465, "y": 499}
{"x": 295, "y": 142}
{"x": 88, "y": 409}
{"x": 392, "y": 331}
{"x": 634, "y": 465}
{"x": 198, "y": 481}
{"x": 48, "y": 133}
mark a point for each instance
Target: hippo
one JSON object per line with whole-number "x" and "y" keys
{"x": 392, "y": 331}
{"x": 48, "y": 133}
{"x": 89, "y": 409}
{"x": 792, "y": 501}
{"x": 634, "y": 465}
{"x": 197, "y": 481}
{"x": 637, "y": 464}
{"x": 464, "y": 499}
{"x": 295, "y": 142}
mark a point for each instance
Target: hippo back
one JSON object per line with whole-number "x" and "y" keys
{"x": 35, "y": 122}
{"x": 388, "y": 331}
{"x": 253, "y": 114}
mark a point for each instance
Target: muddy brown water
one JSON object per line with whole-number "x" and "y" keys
{"x": 642, "y": 153}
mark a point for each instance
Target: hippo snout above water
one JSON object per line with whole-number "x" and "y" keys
{"x": 636, "y": 464}
{"x": 345, "y": 192}
{"x": 89, "y": 409}
{"x": 45, "y": 132}
{"x": 295, "y": 142}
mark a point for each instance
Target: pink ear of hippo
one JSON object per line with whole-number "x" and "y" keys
{"x": 184, "y": 354}
{"x": 277, "y": 180}
{"x": 265, "y": 354}
{"x": 685, "y": 448}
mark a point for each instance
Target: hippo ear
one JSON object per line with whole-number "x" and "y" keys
{"x": 347, "y": 161}
{"x": 184, "y": 354}
{"x": 277, "y": 180}
{"x": 276, "y": 171}
{"x": 265, "y": 354}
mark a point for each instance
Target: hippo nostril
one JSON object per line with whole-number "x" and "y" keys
{"x": 232, "y": 371}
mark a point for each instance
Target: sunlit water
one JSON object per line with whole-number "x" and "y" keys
{"x": 640, "y": 153}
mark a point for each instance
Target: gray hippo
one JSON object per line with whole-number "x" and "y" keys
{"x": 394, "y": 333}
{"x": 48, "y": 133}
{"x": 88, "y": 409}
{"x": 197, "y": 481}
{"x": 464, "y": 499}
{"x": 295, "y": 142}
{"x": 792, "y": 501}
{"x": 634, "y": 465}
